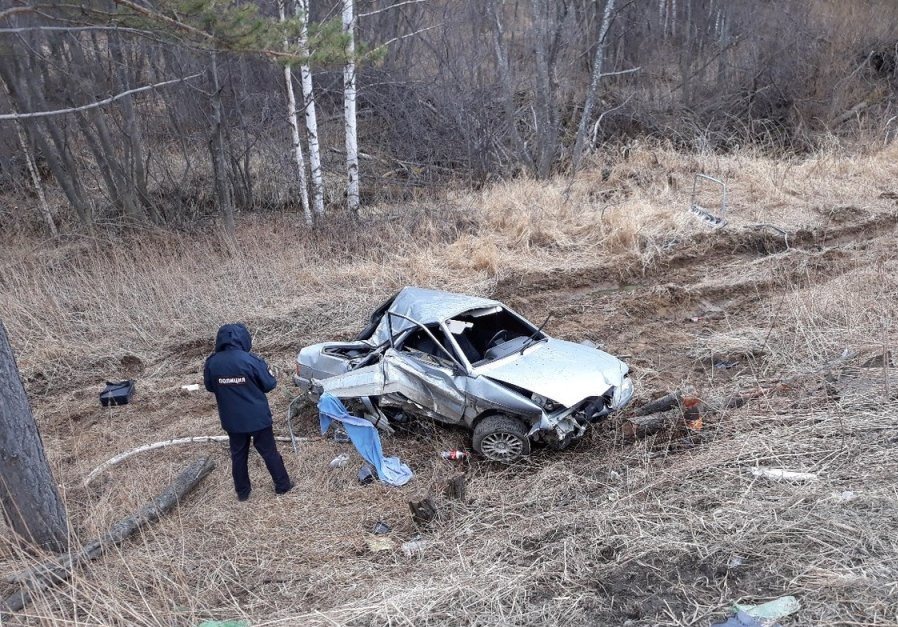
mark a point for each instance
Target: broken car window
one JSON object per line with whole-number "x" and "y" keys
{"x": 421, "y": 343}
{"x": 485, "y": 335}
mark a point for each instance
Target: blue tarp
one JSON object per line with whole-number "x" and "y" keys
{"x": 365, "y": 438}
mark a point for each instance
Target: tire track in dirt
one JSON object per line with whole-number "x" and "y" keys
{"x": 701, "y": 251}
{"x": 723, "y": 283}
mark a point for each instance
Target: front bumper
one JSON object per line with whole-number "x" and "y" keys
{"x": 573, "y": 421}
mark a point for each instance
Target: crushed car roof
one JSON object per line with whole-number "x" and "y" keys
{"x": 427, "y": 307}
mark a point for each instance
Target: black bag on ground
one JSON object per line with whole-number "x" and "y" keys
{"x": 117, "y": 393}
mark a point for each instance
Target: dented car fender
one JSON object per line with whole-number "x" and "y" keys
{"x": 488, "y": 396}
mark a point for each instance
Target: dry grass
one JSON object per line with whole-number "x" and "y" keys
{"x": 663, "y": 531}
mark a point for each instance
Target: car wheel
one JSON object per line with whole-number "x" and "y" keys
{"x": 501, "y": 439}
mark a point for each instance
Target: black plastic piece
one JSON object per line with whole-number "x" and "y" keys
{"x": 365, "y": 475}
{"x": 117, "y": 393}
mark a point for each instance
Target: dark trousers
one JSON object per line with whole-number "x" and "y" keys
{"x": 264, "y": 442}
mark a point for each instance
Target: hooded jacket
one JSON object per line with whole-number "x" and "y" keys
{"x": 239, "y": 381}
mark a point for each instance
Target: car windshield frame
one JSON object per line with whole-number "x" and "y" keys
{"x": 473, "y": 368}
{"x": 456, "y": 359}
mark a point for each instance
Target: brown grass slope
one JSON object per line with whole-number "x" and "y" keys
{"x": 669, "y": 530}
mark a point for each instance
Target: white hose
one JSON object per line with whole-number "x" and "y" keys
{"x": 199, "y": 439}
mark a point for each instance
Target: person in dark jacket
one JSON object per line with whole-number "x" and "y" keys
{"x": 240, "y": 380}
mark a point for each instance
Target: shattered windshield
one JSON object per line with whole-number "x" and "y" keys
{"x": 488, "y": 334}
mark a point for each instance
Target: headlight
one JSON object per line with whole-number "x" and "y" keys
{"x": 547, "y": 405}
{"x": 623, "y": 394}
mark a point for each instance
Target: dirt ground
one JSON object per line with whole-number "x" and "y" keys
{"x": 671, "y": 529}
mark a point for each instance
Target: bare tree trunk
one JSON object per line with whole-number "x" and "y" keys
{"x": 36, "y": 181}
{"x": 352, "y": 147}
{"x": 546, "y": 132}
{"x": 62, "y": 568}
{"x": 28, "y": 494}
{"x": 293, "y": 118}
{"x": 686, "y": 53}
{"x": 216, "y": 150}
{"x": 136, "y": 151}
{"x": 32, "y": 168}
{"x": 524, "y": 155}
{"x": 93, "y": 125}
{"x": 589, "y": 103}
{"x": 301, "y": 9}
{"x": 29, "y": 97}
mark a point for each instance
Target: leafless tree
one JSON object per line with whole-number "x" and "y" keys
{"x": 28, "y": 496}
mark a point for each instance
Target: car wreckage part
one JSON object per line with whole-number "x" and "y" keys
{"x": 501, "y": 438}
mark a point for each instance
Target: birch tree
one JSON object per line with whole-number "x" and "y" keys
{"x": 28, "y": 496}
{"x": 352, "y": 149}
{"x": 293, "y": 118}
{"x": 301, "y": 10}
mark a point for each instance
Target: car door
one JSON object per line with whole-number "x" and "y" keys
{"x": 431, "y": 374}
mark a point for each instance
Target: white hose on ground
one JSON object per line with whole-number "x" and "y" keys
{"x": 199, "y": 439}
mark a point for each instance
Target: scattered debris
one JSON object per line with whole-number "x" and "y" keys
{"x": 455, "y": 455}
{"x": 190, "y": 387}
{"x": 339, "y": 461}
{"x": 691, "y": 415}
{"x": 735, "y": 562}
{"x": 881, "y": 360}
{"x": 381, "y": 528}
{"x": 772, "y": 610}
{"x": 763, "y": 615}
{"x": 741, "y": 619}
{"x": 414, "y": 547}
{"x": 715, "y": 222}
{"x": 365, "y": 475}
{"x": 455, "y": 488}
{"x": 716, "y": 219}
{"x": 117, "y": 393}
{"x": 376, "y": 544}
{"x": 777, "y": 474}
{"x": 845, "y": 496}
{"x": 423, "y": 510}
{"x": 339, "y": 436}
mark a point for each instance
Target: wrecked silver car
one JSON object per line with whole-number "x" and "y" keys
{"x": 468, "y": 361}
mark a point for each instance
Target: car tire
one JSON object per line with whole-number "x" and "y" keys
{"x": 501, "y": 439}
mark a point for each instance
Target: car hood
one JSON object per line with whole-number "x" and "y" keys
{"x": 561, "y": 371}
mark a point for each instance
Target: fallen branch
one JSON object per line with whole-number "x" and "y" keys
{"x": 199, "y": 439}
{"x": 643, "y": 426}
{"x": 852, "y": 112}
{"x": 93, "y": 105}
{"x": 665, "y": 403}
{"x": 61, "y": 568}
{"x": 423, "y": 510}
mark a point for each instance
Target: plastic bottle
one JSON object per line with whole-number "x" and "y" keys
{"x": 454, "y": 455}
